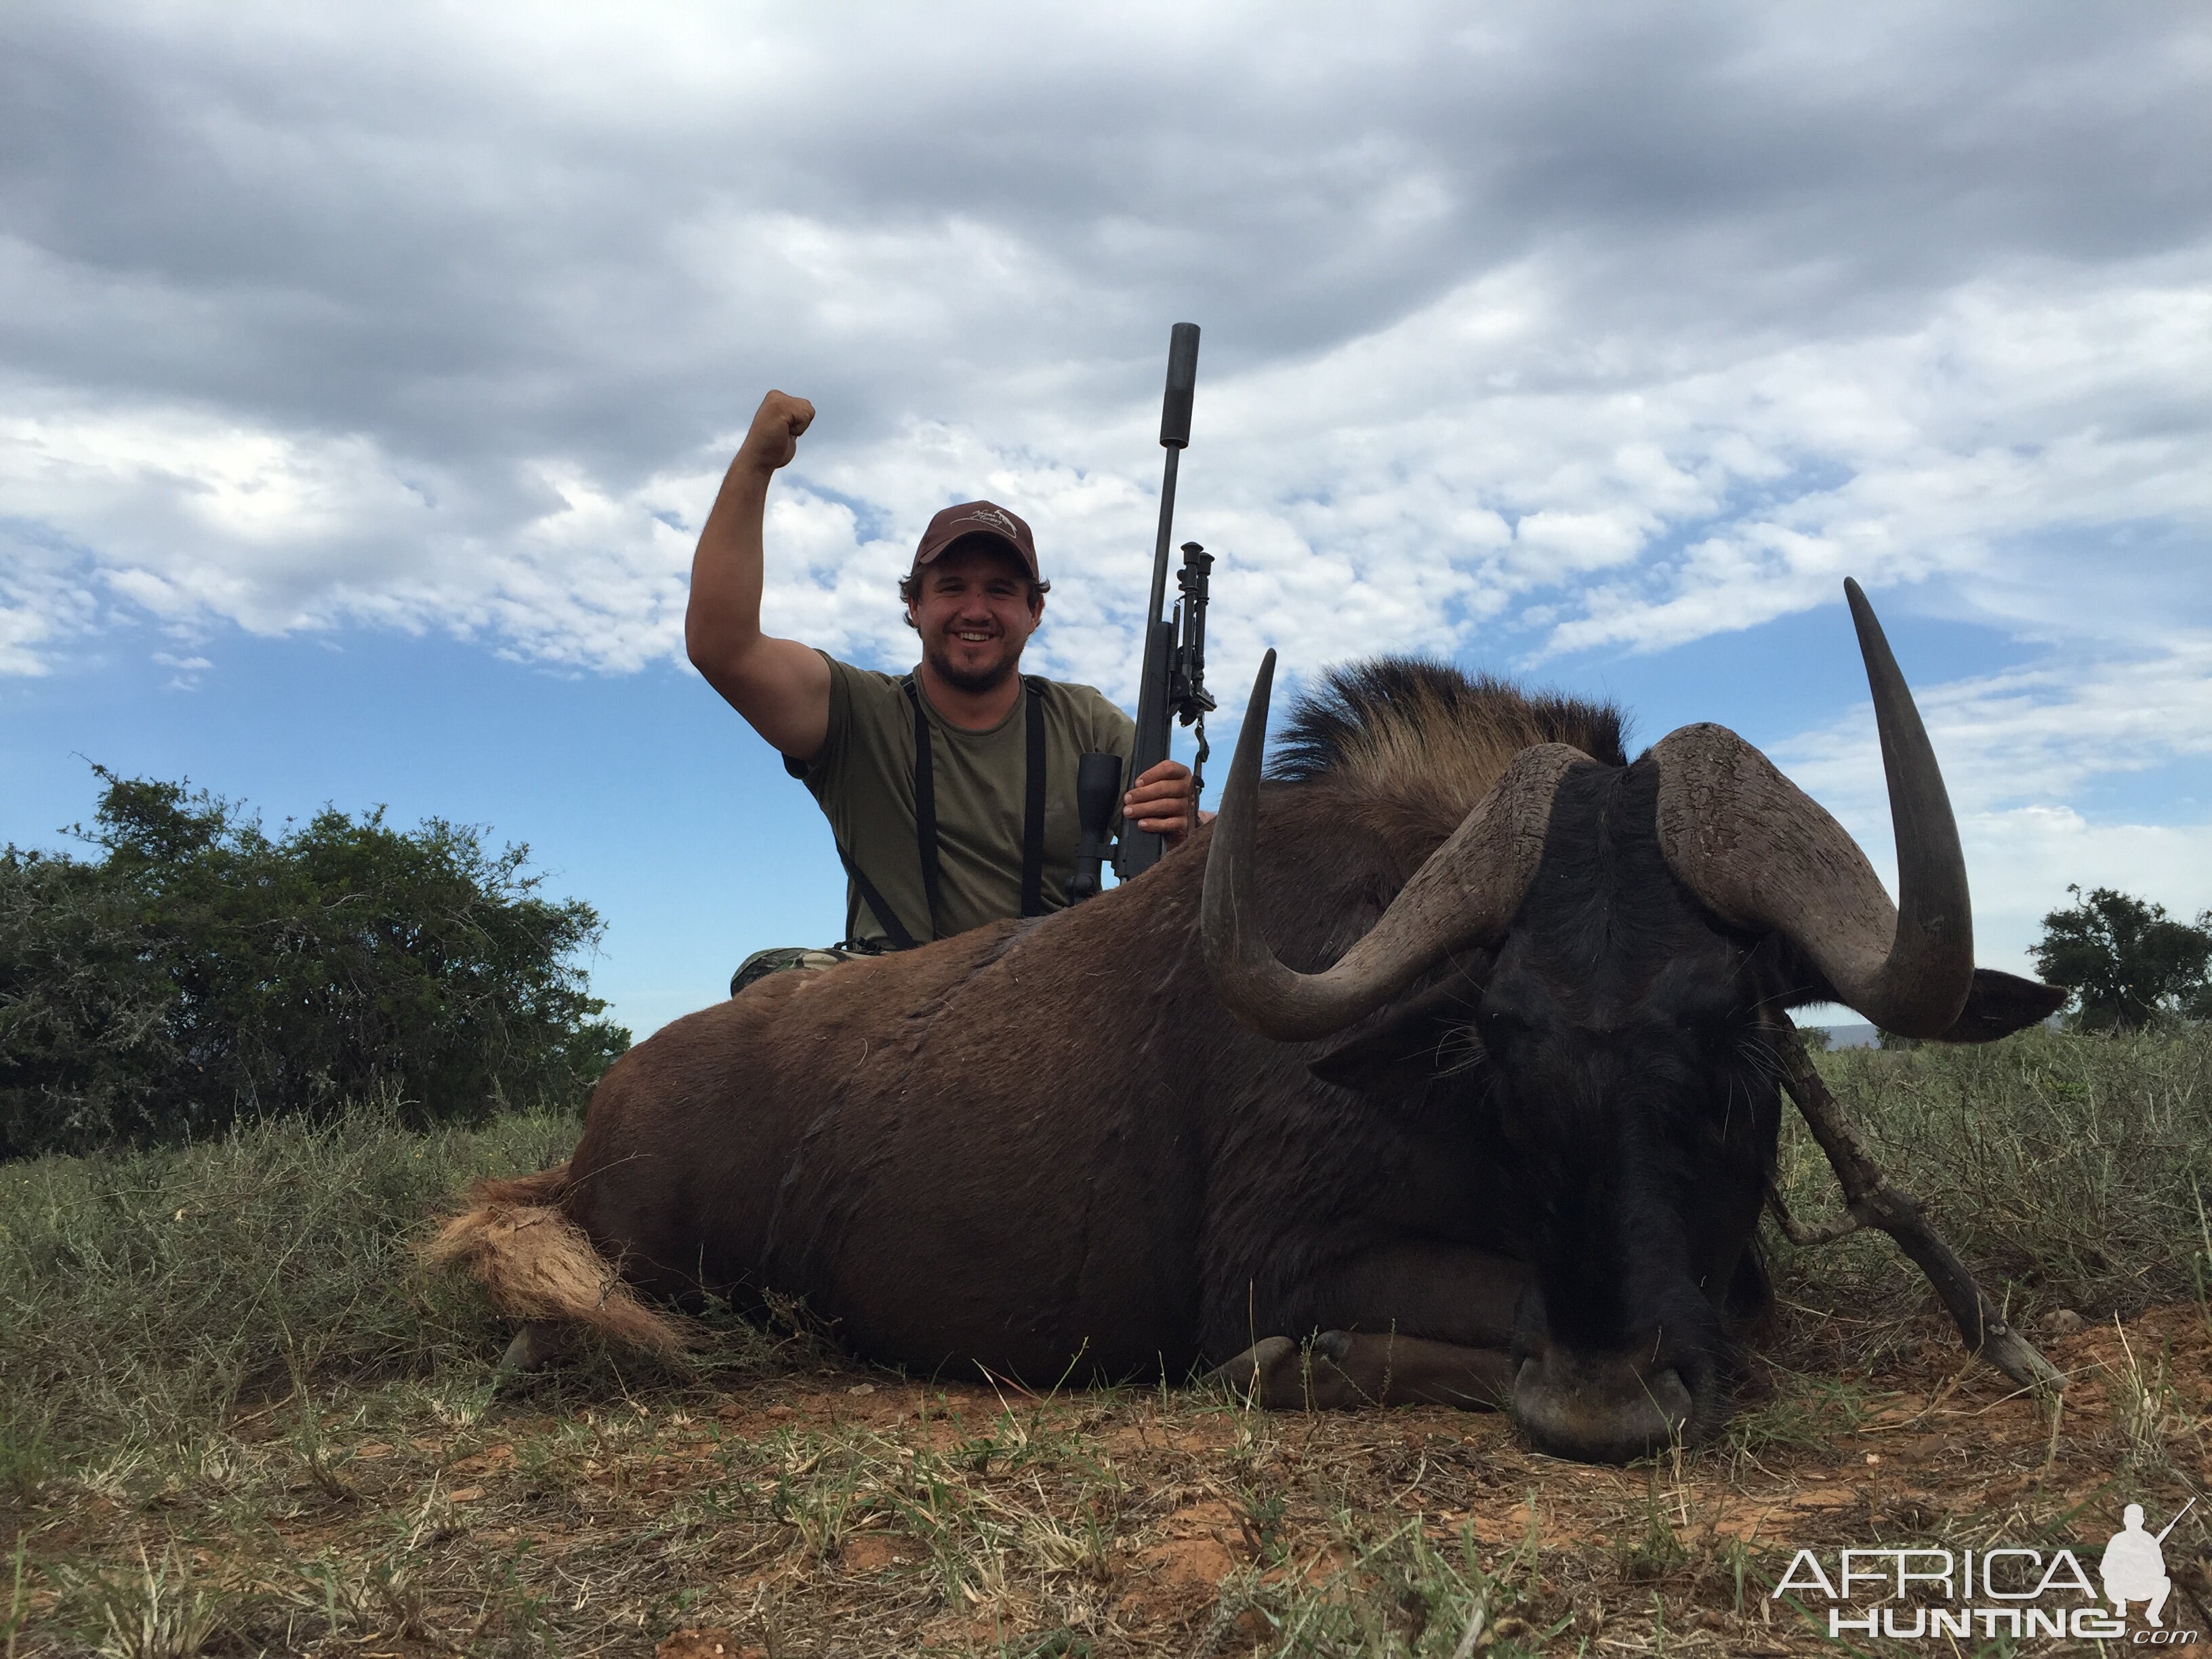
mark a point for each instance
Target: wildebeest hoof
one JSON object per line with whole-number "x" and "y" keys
{"x": 1277, "y": 1374}
{"x": 1271, "y": 1374}
{"x": 535, "y": 1346}
{"x": 1259, "y": 1369}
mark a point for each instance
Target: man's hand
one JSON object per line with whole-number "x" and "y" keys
{"x": 1163, "y": 802}
{"x": 773, "y": 438}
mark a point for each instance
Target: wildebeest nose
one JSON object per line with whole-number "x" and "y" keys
{"x": 1599, "y": 1408}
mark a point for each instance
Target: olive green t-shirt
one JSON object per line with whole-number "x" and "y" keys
{"x": 863, "y": 780}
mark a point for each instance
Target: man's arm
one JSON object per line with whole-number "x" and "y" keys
{"x": 779, "y": 686}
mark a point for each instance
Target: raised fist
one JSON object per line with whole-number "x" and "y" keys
{"x": 773, "y": 438}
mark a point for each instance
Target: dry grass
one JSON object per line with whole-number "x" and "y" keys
{"x": 255, "y": 1428}
{"x": 817, "y": 1508}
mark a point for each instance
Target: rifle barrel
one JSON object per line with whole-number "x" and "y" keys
{"x": 1175, "y": 438}
{"x": 1166, "y": 535}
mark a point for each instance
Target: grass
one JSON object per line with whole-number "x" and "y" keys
{"x": 145, "y": 1297}
{"x": 235, "y": 1417}
{"x": 2069, "y": 1172}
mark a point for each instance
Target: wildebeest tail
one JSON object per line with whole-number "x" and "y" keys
{"x": 536, "y": 1263}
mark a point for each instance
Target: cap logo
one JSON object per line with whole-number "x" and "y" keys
{"x": 997, "y": 518}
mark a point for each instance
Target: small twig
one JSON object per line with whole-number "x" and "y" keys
{"x": 1870, "y": 1202}
{"x": 237, "y": 1423}
{"x": 423, "y": 1519}
{"x": 999, "y": 1385}
{"x": 1473, "y": 1634}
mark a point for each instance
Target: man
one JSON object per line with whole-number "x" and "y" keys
{"x": 951, "y": 790}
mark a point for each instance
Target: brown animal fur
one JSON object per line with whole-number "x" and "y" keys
{"x": 535, "y": 1263}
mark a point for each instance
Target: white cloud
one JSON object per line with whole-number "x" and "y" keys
{"x": 2015, "y": 748}
{"x": 2022, "y": 862}
{"x": 2011, "y": 739}
{"x": 195, "y": 521}
{"x": 37, "y": 613}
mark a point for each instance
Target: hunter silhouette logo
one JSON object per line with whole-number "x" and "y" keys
{"x": 2134, "y": 1567}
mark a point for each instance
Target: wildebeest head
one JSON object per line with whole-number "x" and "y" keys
{"x": 1605, "y": 947}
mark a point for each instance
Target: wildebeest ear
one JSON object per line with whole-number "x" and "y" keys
{"x": 2001, "y": 1004}
{"x": 1412, "y": 1044}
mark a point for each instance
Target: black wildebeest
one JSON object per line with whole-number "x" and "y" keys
{"x": 1449, "y": 1044}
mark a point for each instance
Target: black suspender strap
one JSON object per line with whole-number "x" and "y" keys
{"x": 925, "y": 811}
{"x": 925, "y": 818}
{"x": 862, "y": 890}
{"x": 1033, "y": 809}
{"x": 894, "y": 929}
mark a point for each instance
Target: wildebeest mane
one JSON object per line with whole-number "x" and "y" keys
{"x": 1378, "y": 726}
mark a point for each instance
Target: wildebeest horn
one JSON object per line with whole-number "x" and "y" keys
{"x": 1462, "y": 896}
{"x": 1763, "y": 854}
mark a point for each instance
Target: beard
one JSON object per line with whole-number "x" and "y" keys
{"x": 973, "y": 682}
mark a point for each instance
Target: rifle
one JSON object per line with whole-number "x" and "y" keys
{"x": 1172, "y": 685}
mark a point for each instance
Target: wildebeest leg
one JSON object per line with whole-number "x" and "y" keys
{"x": 1462, "y": 1301}
{"x": 1448, "y": 1293}
{"x": 1344, "y": 1370}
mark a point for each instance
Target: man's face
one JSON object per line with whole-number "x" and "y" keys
{"x": 973, "y": 609}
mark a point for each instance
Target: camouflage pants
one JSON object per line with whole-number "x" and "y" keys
{"x": 786, "y": 958}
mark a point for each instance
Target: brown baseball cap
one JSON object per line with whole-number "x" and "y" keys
{"x": 978, "y": 519}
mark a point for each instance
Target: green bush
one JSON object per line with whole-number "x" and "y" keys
{"x": 201, "y": 970}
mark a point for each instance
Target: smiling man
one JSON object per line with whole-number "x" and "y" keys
{"x": 951, "y": 790}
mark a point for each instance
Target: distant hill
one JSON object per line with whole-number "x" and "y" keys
{"x": 1851, "y": 1036}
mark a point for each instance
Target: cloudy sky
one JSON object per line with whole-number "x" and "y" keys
{"x": 365, "y": 373}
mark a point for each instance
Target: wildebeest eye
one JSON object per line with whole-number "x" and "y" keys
{"x": 1500, "y": 1027}
{"x": 1710, "y": 1024}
